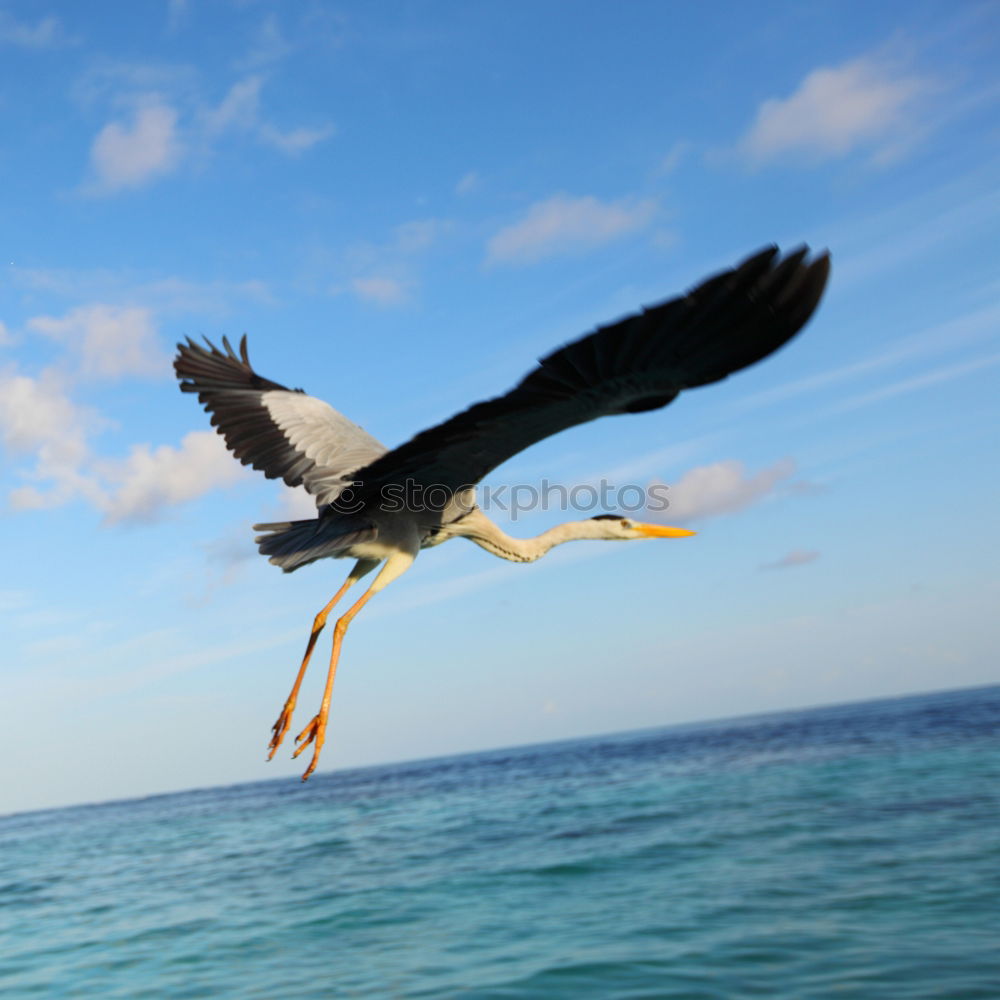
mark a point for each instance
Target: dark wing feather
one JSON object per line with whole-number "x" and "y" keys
{"x": 284, "y": 433}
{"x": 640, "y": 363}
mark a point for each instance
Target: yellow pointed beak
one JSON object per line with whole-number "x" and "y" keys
{"x": 663, "y": 531}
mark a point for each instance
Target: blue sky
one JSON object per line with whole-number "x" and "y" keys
{"x": 403, "y": 205}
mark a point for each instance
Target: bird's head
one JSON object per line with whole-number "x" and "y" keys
{"x": 614, "y": 526}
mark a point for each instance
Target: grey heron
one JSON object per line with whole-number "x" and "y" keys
{"x": 364, "y": 491}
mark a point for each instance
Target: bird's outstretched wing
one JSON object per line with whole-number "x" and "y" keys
{"x": 282, "y": 432}
{"x": 640, "y": 363}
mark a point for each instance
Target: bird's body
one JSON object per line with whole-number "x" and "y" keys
{"x": 380, "y": 507}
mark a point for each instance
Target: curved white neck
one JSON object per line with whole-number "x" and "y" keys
{"x": 480, "y": 529}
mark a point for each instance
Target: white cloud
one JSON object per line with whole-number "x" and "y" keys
{"x": 5, "y": 334}
{"x": 380, "y": 290}
{"x": 48, "y": 33}
{"x": 36, "y": 411}
{"x": 159, "y": 133}
{"x": 797, "y": 557}
{"x": 834, "y": 111}
{"x": 722, "y": 488}
{"x": 38, "y": 417}
{"x": 564, "y": 224}
{"x": 130, "y": 155}
{"x": 111, "y": 341}
{"x": 151, "y": 479}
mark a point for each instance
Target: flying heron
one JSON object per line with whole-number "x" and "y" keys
{"x": 381, "y": 507}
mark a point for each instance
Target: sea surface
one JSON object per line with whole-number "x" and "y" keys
{"x": 838, "y": 852}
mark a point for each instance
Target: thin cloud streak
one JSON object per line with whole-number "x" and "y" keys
{"x": 958, "y": 332}
{"x": 916, "y": 383}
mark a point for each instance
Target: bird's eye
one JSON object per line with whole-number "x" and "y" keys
{"x": 625, "y": 522}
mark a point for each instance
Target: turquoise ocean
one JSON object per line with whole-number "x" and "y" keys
{"x": 851, "y": 851}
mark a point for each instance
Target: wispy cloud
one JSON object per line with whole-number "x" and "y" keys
{"x": 120, "y": 83}
{"x": 239, "y": 110}
{"x": 676, "y": 155}
{"x": 916, "y": 382}
{"x": 167, "y": 294}
{"x": 47, "y": 33}
{"x": 130, "y": 154}
{"x": 384, "y": 273}
{"x": 14, "y": 600}
{"x": 110, "y": 341}
{"x": 916, "y": 228}
{"x": 468, "y": 183}
{"x": 269, "y": 45}
{"x": 564, "y": 224}
{"x": 797, "y": 557}
{"x": 836, "y": 110}
{"x": 167, "y": 123}
{"x": 721, "y": 488}
{"x": 380, "y": 290}
{"x": 293, "y": 141}
{"x": 942, "y": 338}
{"x": 418, "y": 235}
{"x": 177, "y": 12}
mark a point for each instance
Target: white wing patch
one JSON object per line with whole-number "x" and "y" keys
{"x": 335, "y": 445}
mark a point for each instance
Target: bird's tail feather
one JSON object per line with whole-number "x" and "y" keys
{"x": 291, "y": 544}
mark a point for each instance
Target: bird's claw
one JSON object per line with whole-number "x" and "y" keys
{"x": 279, "y": 729}
{"x": 314, "y": 732}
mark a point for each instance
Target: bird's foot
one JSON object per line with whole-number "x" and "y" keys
{"x": 315, "y": 732}
{"x": 280, "y": 727}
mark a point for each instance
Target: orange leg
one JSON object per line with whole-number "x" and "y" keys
{"x": 280, "y": 727}
{"x": 315, "y": 732}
